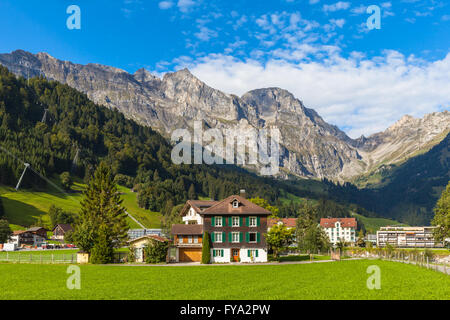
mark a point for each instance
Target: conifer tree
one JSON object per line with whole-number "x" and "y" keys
{"x": 206, "y": 249}
{"x": 442, "y": 216}
{"x": 102, "y": 217}
{"x": 102, "y": 251}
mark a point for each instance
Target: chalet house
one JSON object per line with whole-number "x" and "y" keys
{"x": 60, "y": 230}
{"x": 290, "y": 223}
{"x": 339, "y": 229}
{"x": 140, "y": 243}
{"x": 32, "y": 237}
{"x": 187, "y": 241}
{"x": 236, "y": 226}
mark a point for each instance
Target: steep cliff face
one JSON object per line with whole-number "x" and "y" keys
{"x": 310, "y": 146}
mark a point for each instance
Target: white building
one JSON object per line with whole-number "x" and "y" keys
{"x": 412, "y": 237}
{"x": 339, "y": 229}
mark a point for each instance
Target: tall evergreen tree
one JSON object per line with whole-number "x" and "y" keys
{"x": 442, "y": 216}
{"x": 102, "y": 216}
{"x": 191, "y": 193}
{"x": 206, "y": 249}
{"x": 5, "y": 231}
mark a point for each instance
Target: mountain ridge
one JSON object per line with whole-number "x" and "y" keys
{"x": 311, "y": 147}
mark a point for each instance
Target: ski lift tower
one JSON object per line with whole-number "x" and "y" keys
{"x": 21, "y": 177}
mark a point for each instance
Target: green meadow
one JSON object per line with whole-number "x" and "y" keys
{"x": 24, "y": 207}
{"x": 327, "y": 280}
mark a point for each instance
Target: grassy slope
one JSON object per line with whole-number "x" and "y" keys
{"x": 23, "y": 207}
{"x": 373, "y": 224}
{"x": 330, "y": 280}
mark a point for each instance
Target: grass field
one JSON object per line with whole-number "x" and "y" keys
{"x": 24, "y": 207}
{"x": 374, "y": 224}
{"x": 328, "y": 280}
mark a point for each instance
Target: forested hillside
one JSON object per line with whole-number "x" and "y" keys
{"x": 139, "y": 156}
{"x": 76, "y": 128}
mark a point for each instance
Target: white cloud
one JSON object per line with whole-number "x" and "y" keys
{"x": 185, "y": 5}
{"x": 205, "y": 34}
{"x": 361, "y": 94}
{"x": 164, "y": 5}
{"x": 336, "y": 6}
{"x": 338, "y": 22}
{"x": 313, "y": 1}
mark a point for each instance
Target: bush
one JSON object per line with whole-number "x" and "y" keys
{"x": 156, "y": 251}
{"x": 206, "y": 249}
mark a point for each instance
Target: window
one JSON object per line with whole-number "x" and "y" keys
{"x": 253, "y": 221}
{"x": 189, "y": 239}
{"x": 235, "y": 237}
{"x": 196, "y": 239}
{"x": 252, "y": 253}
{"x": 235, "y": 204}
{"x": 218, "y": 253}
{"x": 218, "y": 221}
{"x": 252, "y": 237}
{"x": 218, "y": 237}
{"x": 180, "y": 239}
{"x": 235, "y": 221}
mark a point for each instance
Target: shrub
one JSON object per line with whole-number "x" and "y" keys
{"x": 156, "y": 251}
{"x": 206, "y": 250}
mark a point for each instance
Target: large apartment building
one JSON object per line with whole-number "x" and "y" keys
{"x": 407, "y": 237}
{"x": 236, "y": 226}
{"x": 339, "y": 229}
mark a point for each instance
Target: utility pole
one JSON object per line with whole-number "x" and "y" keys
{"x": 21, "y": 177}
{"x": 45, "y": 115}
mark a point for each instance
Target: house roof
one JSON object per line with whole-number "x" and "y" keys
{"x": 34, "y": 229}
{"x": 288, "y": 222}
{"x": 245, "y": 207}
{"x": 150, "y": 236}
{"x": 187, "y": 229}
{"x": 197, "y": 205}
{"x": 345, "y": 222}
{"x": 15, "y": 233}
{"x": 64, "y": 226}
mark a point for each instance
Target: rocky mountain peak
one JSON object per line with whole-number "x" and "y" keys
{"x": 310, "y": 146}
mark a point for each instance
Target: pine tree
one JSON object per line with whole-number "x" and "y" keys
{"x": 101, "y": 207}
{"x": 206, "y": 249}
{"x": 442, "y": 216}
{"x": 191, "y": 193}
{"x": 103, "y": 251}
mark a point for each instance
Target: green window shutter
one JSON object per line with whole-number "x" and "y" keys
{"x": 248, "y": 253}
{"x": 213, "y": 221}
{"x": 224, "y": 239}
{"x": 221, "y": 253}
{"x": 257, "y": 237}
{"x": 224, "y": 221}
{"x": 247, "y": 219}
{"x": 214, "y": 253}
{"x": 258, "y": 221}
{"x": 240, "y": 222}
{"x": 247, "y": 237}
{"x": 230, "y": 237}
{"x": 213, "y": 238}
{"x": 230, "y": 221}
{"x": 240, "y": 236}
{"x": 256, "y": 254}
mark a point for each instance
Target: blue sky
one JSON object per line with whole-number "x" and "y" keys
{"x": 319, "y": 50}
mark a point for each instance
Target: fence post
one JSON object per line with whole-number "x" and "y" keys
{"x": 7, "y": 256}
{"x": 428, "y": 265}
{"x": 31, "y": 257}
{"x": 52, "y": 258}
{"x": 40, "y": 258}
{"x": 72, "y": 257}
